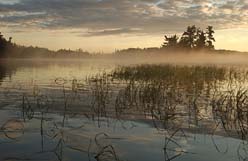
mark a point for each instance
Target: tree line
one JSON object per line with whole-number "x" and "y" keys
{"x": 8, "y": 49}
{"x": 193, "y": 38}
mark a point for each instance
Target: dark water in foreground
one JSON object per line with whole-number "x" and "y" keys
{"x": 104, "y": 111}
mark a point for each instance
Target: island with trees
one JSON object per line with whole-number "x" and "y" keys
{"x": 194, "y": 39}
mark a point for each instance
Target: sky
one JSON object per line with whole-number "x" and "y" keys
{"x": 107, "y": 25}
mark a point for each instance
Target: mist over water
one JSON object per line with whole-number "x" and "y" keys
{"x": 185, "y": 58}
{"x": 151, "y": 107}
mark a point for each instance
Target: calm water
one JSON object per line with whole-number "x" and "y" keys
{"x": 103, "y": 110}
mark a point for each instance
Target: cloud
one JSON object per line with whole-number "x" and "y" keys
{"x": 107, "y": 32}
{"x": 111, "y": 17}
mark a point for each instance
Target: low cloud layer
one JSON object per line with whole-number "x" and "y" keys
{"x": 113, "y": 17}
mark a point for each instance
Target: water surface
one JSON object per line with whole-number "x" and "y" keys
{"x": 105, "y": 110}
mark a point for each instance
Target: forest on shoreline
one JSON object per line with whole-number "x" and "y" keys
{"x": 193, "y": 40}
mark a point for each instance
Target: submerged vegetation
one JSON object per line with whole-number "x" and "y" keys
{"x": 177, "y": 101}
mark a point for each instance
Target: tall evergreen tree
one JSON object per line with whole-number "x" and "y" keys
{"x": 189, "y": 37}
{"x": 5, "y": 45}
{"x": 201, "y": 39}
{"x": 210, "y": 37}
{"x": 171, "y": 42}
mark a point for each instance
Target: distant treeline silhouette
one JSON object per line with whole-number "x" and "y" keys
{"x": 192, "y": 38}
{"x": 12, "y": 50}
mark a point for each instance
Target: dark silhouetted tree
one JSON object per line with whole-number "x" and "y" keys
{"x": 192, "y": 38}
{"x": 189, "y": 37}
{"x": 201, "y": 40}
{"x": 7, "y": 48}
{"x": 210, "y": 38}
{"x": 10, "y": 39}
{"x": 171, "y": 42}
{"x": 3, "y": 46}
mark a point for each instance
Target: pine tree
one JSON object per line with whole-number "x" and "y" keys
{"x": 210, "y": 37}
{"x": 189, "y": 37}
{"x": 171, "y": 42}
{"x": 201, "y": 39}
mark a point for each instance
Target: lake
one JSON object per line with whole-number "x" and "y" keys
{"x": 102, "y": 110}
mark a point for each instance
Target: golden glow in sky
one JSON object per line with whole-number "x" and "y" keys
{"x": 106, "y": 25}
{"x": 230, "y": 39}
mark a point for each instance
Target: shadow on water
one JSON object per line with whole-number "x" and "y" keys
{"x": 118, "y": 115}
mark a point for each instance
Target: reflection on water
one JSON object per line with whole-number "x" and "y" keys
{"x": 105, "y": 111}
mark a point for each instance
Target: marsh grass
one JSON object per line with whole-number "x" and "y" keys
{"x": 231, "y": 108}
{"x": 174, "y": 98}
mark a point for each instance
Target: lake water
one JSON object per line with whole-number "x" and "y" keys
{"x": 107, "y": 111}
